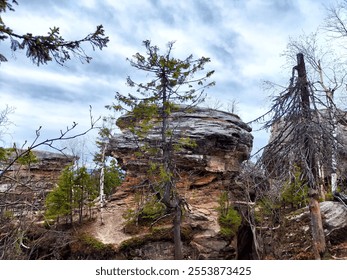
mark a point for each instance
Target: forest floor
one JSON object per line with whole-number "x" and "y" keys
{"x": 295, "y": 245}
{"x": 339, "y": 251}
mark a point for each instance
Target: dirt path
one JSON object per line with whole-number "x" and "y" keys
{"x": 111, "y": 231}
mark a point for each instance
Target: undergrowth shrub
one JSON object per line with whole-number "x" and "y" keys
{"x": 229, "y": 219}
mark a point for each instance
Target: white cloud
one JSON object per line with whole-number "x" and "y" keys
{"x": 244, "y": 40}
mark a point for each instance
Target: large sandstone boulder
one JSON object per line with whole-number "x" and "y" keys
{"x": 222, "y": 142}
{"x": 335, "y": 221}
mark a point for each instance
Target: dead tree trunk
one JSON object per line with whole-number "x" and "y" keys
{"x": 310, "y": 163}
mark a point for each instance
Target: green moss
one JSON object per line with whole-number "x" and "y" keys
{"x": 138, "y": 241}
{"x": 134, "y": 242}
{"x": 7, "y": 214}
{"x": 187, "y": 232}
{"x": 160, "y": 233}
{"x": 92, "y": 242}
{"x": 88, "y": 247}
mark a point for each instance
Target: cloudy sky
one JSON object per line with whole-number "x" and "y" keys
{"x": 243, "y": 38}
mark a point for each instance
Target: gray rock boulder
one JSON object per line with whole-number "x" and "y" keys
{"x": 334, "y": 216}
{"x": 222, "y": 141}
{"x": 335, "y": 221}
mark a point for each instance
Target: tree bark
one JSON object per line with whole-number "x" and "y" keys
{"x": 177, "y": 233}
{"x": 170, "y": 198}
{"x": 81, "y": 205}
{"x": 318, "y": 237}
{"x": 102, "y": 184}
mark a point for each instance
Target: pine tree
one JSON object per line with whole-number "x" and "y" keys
{"x": 84, "y": 191}
{"x": 113, "y": 177}
{"x": 42, "y": 49}
{"x": 59, "y": 202}
{"x": 172, "y": 82}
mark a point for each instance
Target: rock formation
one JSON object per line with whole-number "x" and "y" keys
{"x": 31, "y": 182}
{"x": 222, "y": 140}
{"x": 206, "y": 169}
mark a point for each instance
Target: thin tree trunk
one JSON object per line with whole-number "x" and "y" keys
{"x": 102, "y": 184}
{"x": 318, "y": 237}
{"x": 170, "y": 198}
{"x": 165, "y": 148}
{"x": 332, "y": 117}
{"x": 177, "y": 233}
{"x": 81, "y": 205}
{"x": 71, "y": 204}
{"x": 332, "y": 113}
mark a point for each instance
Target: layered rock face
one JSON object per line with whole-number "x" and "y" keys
{"x": 31, "y": 182}
{"x": 206, "y": 169}
{"x": 222, "y": 141}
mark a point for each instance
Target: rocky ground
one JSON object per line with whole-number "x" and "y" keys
{"x": 289, "y": 241}
{"x": 200, "y": 229}
{"x": 292, "y": 238}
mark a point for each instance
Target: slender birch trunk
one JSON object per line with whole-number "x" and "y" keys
{"x": 102, "y": 184}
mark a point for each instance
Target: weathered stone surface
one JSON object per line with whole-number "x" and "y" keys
{"x": 223, "y": 141}
{"x": 31, "y": 182}
{"x": 334, "y": 215}
{"x": 335, "y": 221}
{"x": 47, "y": 167}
